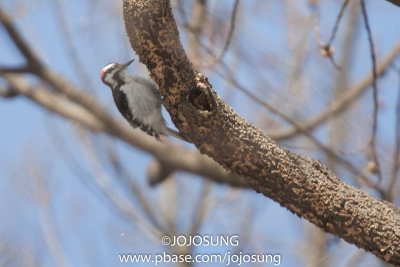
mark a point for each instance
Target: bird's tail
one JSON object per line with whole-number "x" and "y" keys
{"x": 174, "y": 133}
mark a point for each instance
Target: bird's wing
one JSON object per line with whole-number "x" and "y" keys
{"x": 148, "y": 83}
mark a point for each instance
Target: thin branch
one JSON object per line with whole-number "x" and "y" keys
{"x": 183, "y": 159}
{"x": 229, "y": 37}
{"x": 56, "y": 81}
{"x": 22, "y": 69}
{"x": 129, "y": 181}
{"x": 182, "y": 11}
{"x": 396, "y": 155}
{"x": 342, "y": 103}
{"x": 55, "y": 103}
{"x": 374, "y": 90}
{"x": 338, "y": 19}
{"x": 327, "y": 49}
{"x": 355, "y": 259}
{"x": 158, "y": 172}
{"x": 49, "y": 229}
{"x": 8, "y": 93}
{"x": 195, "y": 27}
{"x": 23, "y": 47}
{"x": 202, "y": 209}
{"x": 37, "y": 174}
{"x": 302, "y": 130}
{"x": 73, "y": 56}
{"x": 65, "y": 150}
{"x": 168, "y": 206}
{"x": 103, "y": 181}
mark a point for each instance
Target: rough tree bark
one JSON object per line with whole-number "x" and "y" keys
{"x": 302, "y": 185}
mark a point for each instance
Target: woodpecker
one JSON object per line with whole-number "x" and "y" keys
{"x": 137, "y": 99}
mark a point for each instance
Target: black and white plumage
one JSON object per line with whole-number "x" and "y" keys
{"x": 137, "y": 99}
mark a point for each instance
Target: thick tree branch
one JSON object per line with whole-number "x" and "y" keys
{"x": 298, "y": 183}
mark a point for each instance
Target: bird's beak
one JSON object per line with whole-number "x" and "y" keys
{"x": 127, "y": 63}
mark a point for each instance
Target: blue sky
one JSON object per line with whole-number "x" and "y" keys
{"x": 88, "y": 226}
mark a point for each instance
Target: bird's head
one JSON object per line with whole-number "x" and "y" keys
{"x": 111, "y": 73}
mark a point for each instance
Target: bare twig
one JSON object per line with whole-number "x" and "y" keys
{"x": 182, "y": 11}
{"x": 327, "y": 49}
{"x": 396, "y": 155}
{"x": 56, "y": 81}
{"x": 318, "y": 243}
{"x": 301, "y": 130}
{"x": 23, "y": 47}
{"x": 339, "y": 105}
{"x": 374, "y": 90}
{"x": 338, "y": 19}
{"x": 229, "y": 37}
{"x": 38, "y": 175}
{"x": 22, "y": 69}
{"x": 128, "y": 180}
{"x": 73, "y": 56}
{"x": 195, "y": 27}
{"x": 183, "y": 159}
{"x": 55, "y": 103}
{"x": 103, "y": 181}
{"x": 355, "y": 259}
{"x": 202, "y": 208}
{"x": 8, "y": 93}
{"x": 158, "y": 172}
{"x": 168, "y": 205}
{"x": 338, "y": 131}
